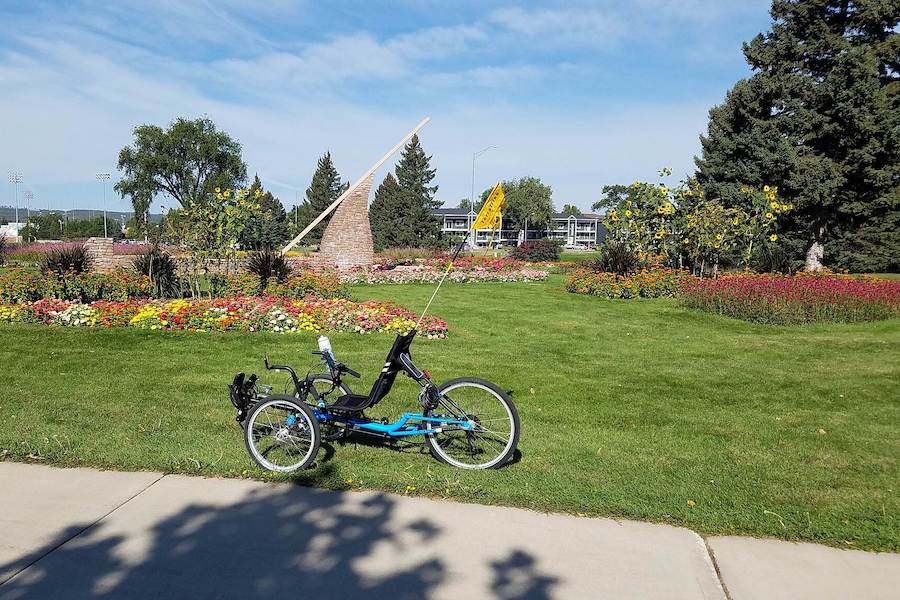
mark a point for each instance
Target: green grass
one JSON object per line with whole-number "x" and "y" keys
{"x": 576, "y": 256}
{"x": 629, "y": 408}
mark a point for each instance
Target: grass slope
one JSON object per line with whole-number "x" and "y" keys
{"x": 638, "y": 409}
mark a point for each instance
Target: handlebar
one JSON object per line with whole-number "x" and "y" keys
{"x": 335, "y": 366}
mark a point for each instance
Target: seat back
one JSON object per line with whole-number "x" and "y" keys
{"x": 391, "y": 367}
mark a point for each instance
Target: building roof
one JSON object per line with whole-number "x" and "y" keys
{"x": 589, "y": 216}
{"x": 462, "y": 212}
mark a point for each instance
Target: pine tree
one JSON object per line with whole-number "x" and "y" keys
{"x": 324, "y": 189}
{"x": 416, "y": 223}
{"x": 819, "y": 118}
{"x": 386, "y": 215}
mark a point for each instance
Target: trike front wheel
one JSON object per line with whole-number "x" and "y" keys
{"x": 282, "y": 434}
{"x": 492, "y": 432}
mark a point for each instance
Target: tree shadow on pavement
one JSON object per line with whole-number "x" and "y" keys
{"x": 267, "y": 542}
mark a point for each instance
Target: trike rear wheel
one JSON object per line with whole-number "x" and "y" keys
{"x": 492, "y": 415}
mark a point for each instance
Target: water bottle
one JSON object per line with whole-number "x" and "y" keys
{"x": 325, "y": 347}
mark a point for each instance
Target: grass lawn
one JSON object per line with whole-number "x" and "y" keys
{"x": 637, "y": 409}
{"x": 577, "y": 255}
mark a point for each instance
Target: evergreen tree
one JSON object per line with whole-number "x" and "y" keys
{"x": 386, "y": 215}
{"x": 324, "y": 189}
{"x": 268, "y": 227}
{"x": 401, "y": 213}
{"x": 819, "y": 118}
{"x": 416, "y": 220}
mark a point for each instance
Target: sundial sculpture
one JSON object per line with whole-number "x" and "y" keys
{"x": 347, "y": 241}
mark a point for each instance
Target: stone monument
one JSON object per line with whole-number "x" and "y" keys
{"x": 347, "y": 241}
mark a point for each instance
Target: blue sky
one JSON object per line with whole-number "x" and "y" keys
{"x": 580, "y": 94}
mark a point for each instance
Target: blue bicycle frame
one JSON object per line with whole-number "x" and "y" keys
{"x": 408, "y": 424}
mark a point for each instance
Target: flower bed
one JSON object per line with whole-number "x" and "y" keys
{"x": 428, "y": 274}
{"x": 804, "y": 298}
{"x": 646, "y": 283}
{"x": 248, "y": 314}
{"x": 19, "y": 285}
{"x": 300, "y": 285}
{"x": 465, "y": 269}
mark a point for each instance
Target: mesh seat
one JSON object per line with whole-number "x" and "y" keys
{"x": 350, "y": 403}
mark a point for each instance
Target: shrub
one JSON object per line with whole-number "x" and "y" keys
{"x": 299, "y": 286}
{"x": 2, "y": 250}
{"x": 71, "y": 259}
{"x": 18, "y": 285}
{"x": 266, "y": 265}
{"x": 615, "y": 257}
{"x": 308, "y": 283}
{"x": 538, "y": 251}
{"x": 804, "y": 298}
{"x": 162, "y": 271}
{"x": 646, "y": 283}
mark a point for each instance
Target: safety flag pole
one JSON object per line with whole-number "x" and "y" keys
{"x": 489, "y": 214}
{"x": 443, "y": 277}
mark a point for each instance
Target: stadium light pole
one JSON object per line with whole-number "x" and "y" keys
{"x": 15, "y": 177}
{"x": 103, "y": 177}
{"x": 472, "y": 194}
{"x": 28, "y": 195}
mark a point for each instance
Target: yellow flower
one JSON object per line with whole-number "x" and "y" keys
{"x": 736, "y": 221}
{"x": 770, "y": 215}
{"x": 774, "y": 206}
{"x": 766, "y": 188}
{"x": 773, "y": 237}
{"x": 218, "y": 189}
{"x": 226, "y": 193}
{"x": 718, "y": 236}
{"x": 663, "y": 191}
{"x": 627, "y": 213}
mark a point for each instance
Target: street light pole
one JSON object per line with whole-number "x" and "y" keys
{"x": 101, "y": 177}
{"x": 15, "y": 177}
{"x": 472, "y": 193}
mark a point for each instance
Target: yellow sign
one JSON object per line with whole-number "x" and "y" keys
{"x": 489, "y": 215}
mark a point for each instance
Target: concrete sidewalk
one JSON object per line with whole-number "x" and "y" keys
{"x": 81, "y": 533}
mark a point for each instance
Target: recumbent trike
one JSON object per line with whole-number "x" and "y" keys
{"x": 467, "y": 422}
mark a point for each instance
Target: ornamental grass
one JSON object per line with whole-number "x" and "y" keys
{"x": 248, "y": 314}
{"x": 803, "y": 298}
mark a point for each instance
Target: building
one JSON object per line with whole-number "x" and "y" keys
{"x": 584, "y": 231}
{"x": 10, "y": 231}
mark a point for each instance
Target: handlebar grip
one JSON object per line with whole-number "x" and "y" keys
{"x": 350, "y": 371}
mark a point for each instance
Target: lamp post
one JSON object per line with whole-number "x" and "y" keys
{"x": 472, "y": 194}
{"x": 102, "y": 177}
{"x": 15, "y": 177}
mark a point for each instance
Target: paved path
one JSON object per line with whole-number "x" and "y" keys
{"x": 81, "y": 533}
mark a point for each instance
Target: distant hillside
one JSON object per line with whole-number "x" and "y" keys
{"x": 8, "y": 214}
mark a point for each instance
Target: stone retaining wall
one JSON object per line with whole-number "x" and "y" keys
{"x": 104, "y": 260}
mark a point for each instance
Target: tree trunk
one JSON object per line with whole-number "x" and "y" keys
{"x": 816, "y": 251}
